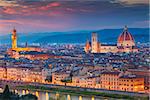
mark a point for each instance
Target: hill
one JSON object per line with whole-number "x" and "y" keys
{"x": 105, "y": 36}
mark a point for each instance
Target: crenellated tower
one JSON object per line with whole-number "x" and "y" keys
{"x": 14, "y": 39}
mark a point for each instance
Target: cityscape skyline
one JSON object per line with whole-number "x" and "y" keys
{"x": 74, "y": 49}
{"x": 48, "y": 16}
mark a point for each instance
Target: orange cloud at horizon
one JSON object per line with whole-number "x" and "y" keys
{"x": 10, "y": 3}
{"x": 9, "y": 10}
{"x": 9, "y": 21}
{"x": 30, "y": 10}
{"x": 20, "y": 24}
{"x": 50, "y": 5}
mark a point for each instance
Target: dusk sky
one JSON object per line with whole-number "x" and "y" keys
{"x": 70, "y": 15}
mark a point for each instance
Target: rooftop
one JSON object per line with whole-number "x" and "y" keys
{"x": 114, "y": 73}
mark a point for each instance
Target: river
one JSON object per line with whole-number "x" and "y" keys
{"x": 58, "y": 96}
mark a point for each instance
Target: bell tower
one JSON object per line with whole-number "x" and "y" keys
{"x": 14, "y": 39}
{"x": 94, "y": 43}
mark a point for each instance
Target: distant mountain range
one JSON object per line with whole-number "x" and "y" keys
{"x": 104, "y": 35}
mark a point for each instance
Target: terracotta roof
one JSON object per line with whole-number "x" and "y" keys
{"x": 125, "y": 36}
{"x": 114, "y": 73}
{"x": 130, "y": 76}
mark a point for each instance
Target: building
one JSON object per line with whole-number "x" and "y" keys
{"x": 95, "y": 44}
{"x": 131, "y": 83}
{"x": 142, "y": 73}
{"x": 87, "y": 47}
{"x": 3, "y": 72}
{"x": 125, "y": 43}
{"x": 35, "y": 75}
{"x": 109, "y": 80}
{"x": 14, "y": 39}
{"x": 15, "y": 51}
{"x": 122, "y": 82}
{"x": 84, "y": 81}
{"x": 18, "y": 49}
{"x": 24, "y": 74}
{"x": 58, "y": 77}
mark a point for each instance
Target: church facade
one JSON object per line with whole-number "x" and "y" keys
{"x": 125, "y": 43}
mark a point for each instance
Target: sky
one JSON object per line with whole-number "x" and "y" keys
{"x": 29, "y": 16}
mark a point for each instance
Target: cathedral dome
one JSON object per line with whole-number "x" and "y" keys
{"x": 125, "y": 36}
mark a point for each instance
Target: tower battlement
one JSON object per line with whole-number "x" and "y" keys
{"x": 14, "y": 39}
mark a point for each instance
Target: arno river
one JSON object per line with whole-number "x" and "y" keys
{"x": 58, "y": 96}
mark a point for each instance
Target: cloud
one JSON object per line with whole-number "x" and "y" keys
{"x": 50, "y": 5}
{"x": 9, "y": 10}
{"x": 131, "y": 2}
{"x": 70, "y": 9}
{"x": 6, "y": 25}
{"x": 8, "y": 3}
{"x": 10, "y": 21}
{"x": 29, "y": 9}
{"x": 85, "y": 10}
{"x": 27, "y": 25}
{"x": 63, "y": 15}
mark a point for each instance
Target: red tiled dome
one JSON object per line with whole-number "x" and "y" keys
{"x": 125, "y": 36}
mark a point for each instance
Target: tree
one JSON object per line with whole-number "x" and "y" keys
{"x": 6, "y": 93}
{"x": 6, "y": 90}
{"x": 29, "y": 97}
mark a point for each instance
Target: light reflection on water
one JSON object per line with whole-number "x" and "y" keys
{"x": 57, "y": 96}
